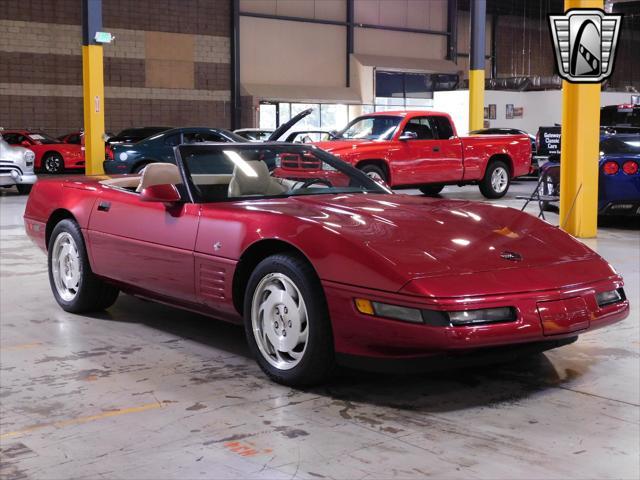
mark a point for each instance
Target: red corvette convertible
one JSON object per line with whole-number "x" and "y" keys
{"x": 322, "y": 268}
{"x": 52, "y": 155}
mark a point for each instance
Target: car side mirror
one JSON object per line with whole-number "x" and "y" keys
{"x": 408, "y": 136}
{"x": 25, "y": 143}
{"x": 166, "y": 193}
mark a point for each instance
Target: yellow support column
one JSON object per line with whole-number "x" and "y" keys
{"x": 476, "y": 64}
{"x": 580, "y": 147}
{"x": 93, "y": 97}
{"x": 476, "y": 99}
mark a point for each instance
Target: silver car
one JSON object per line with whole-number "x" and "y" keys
{"x": 16, "y": 167}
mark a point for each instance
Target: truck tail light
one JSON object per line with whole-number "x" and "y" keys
{"x": 630, "y": 167}
{"x": 610, "y": 167}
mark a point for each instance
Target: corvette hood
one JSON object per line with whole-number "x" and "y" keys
{"x": 420, "y": 237}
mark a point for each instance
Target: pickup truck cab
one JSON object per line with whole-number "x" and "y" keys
{"x": 421, "y": 149}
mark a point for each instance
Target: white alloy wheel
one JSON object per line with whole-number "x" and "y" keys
{"x": 66, "y": 266}
{"x": 499, "y": 179}
{"x": 279, "y": 321}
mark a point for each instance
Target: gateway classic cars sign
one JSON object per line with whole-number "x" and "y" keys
{"x": 585, "y": 43}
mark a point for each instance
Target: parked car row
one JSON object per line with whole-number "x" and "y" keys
{"x": 401, "y": 149}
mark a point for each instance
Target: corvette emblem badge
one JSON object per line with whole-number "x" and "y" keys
{"x": 585, "y": 43}
{"x": 512, "y": 256}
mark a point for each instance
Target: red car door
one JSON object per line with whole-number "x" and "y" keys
{"x": 145, "y": 244}
{"x": 433, "y": 156}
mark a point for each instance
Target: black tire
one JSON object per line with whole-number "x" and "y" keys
{"x": 317, "y": 361}
{"x": 486, "y": 185}
{"x": 434, "y": 189}
{"x": 92, "y": 293}
{"x": 138, "y": 168}
{"x": 372, "y": 171}
{"x": 53, "y": 163}
{"x": 24, "y": 188}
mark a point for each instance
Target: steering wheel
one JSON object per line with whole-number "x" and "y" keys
{"x": 313, "y": 181}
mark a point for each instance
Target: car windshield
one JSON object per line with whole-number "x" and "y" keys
{"x": 43, "y": 138}
{"x": 612, "y": 146}
{"x": 232, "y": 172}
{"x": 374, "y": 127}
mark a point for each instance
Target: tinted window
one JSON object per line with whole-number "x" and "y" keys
{"x": 198, "y": 137}
{"x": 421, "y": 127}
{"x": 172, "y": 140}
{"x": 620, "y": 145}
{"x": 13, "y": 138}
{"x": 442, "y": 126}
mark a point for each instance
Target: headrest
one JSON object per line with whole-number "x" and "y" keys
{"x": 159, "y": 174}
{"x": 252, "y": 178}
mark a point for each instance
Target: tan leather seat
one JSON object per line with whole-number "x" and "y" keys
{"x": 253, "y": 179}
{"x": 159, "y": 174}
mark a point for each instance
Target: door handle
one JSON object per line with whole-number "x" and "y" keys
{"x": 436, "y": 149}
{"x": 104, "y": 206}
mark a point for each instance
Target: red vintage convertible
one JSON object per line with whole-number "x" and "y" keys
{"x": 323, "y": 268}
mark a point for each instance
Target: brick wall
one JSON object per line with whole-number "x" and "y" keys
{"x": 41, "y": 64}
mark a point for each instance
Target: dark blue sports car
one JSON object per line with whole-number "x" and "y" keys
{"x": 619, "y": 184}
{"x": 132, "y": 158}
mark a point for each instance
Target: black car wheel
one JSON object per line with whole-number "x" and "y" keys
{"x": 287, "y": 321}
{"x": 496, "y": 181}
{"x": 24, "y": 188}
{"x": 74, "y": 286}
{"x": 431, "y": 189}
{"x": 53, "y": 163}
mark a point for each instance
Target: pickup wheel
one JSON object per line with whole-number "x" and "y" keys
{"x": 74, "y": 286}
{"x": 496, "y": 181}
{"x": 431, "y": 189}
{"x": 287, "y": 321}
{"x": 374, "y": 172}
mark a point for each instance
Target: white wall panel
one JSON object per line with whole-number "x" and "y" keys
{"x": 277, "y": 52}
{"x": 424, "y": 14}
{"x": 319, "y": 9}
{"x": 399, "y": 44}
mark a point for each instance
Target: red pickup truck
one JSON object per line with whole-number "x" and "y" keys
{"x": 422, "y": 149}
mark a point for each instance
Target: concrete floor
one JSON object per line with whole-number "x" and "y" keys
{"x": 147, "y": 391}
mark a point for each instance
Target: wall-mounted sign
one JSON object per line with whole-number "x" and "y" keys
{"x": 492, "y": 111}
{"x": 518, "y": 112}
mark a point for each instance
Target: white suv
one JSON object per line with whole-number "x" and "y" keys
{"x": 16, "y": 167}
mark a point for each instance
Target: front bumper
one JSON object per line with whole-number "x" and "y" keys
{"x": 356, "y": 334}
{"x": 621, "y": 207}
{"x": 14, "y": 177}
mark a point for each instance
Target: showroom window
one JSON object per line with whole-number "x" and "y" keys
{"x": 325, "y": 116}
{"x": 404, "y": 91}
